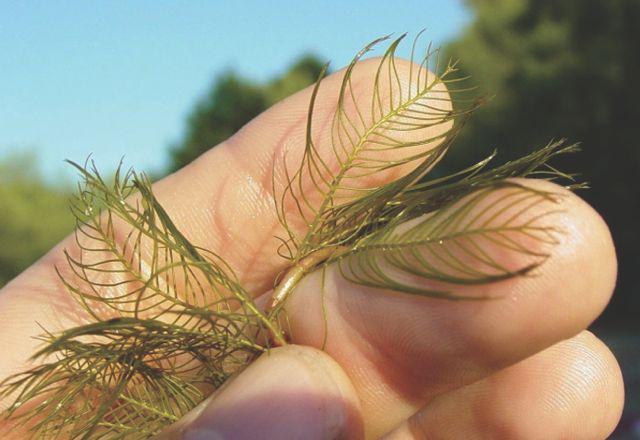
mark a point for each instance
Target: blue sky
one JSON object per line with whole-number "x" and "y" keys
{"x": 115, "y": 78}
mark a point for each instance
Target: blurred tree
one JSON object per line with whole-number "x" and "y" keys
{"x": 34, "y": 216}
{"x": 232, "y": 102}
{"x": 565, "y": 69}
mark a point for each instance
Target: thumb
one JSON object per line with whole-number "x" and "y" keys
{"x": 292, "y": 392}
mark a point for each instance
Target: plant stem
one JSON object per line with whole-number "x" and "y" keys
{"x": 296, "y": 273}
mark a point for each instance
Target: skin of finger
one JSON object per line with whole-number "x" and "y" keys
{"x": 223, "y": 201}
{"x": 572, "y": 390}
{"x": 290, "y": 392}
{"x": 403, "y": 350}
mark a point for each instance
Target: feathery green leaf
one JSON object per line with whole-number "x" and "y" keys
{"x": 168, "y": 322}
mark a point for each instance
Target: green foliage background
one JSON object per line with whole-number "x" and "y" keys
{"x": 34, "y": 214}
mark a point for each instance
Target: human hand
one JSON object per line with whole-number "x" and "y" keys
{"x": 519, "y": 367}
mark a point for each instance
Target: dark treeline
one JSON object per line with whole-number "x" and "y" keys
{"x": 566, "y": 69}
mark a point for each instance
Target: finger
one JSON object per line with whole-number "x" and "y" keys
{"x": 223, "y": 201}
{"x": 402, "y": 350}
{"x": 571, "y": 390}
{"x": 230, "y": 205}
{"x": 293, "y": 392}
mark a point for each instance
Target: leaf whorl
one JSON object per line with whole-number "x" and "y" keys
{"x": 167, "y": 322}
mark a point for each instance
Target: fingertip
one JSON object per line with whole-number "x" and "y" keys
{"x": 571, "y": 390}
{"x": 583, "y": 266}
{"x": 606, "y": 385}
